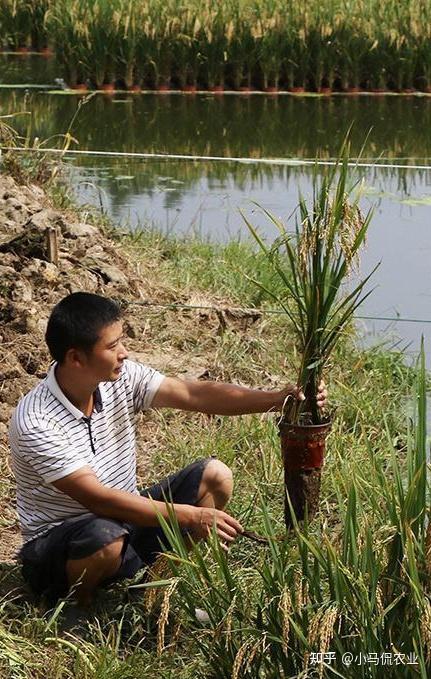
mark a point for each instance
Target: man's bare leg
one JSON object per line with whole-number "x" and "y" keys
{"x": 215, "y": 490}
{"x": 93, "y": 569}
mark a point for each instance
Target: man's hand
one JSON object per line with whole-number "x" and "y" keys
{"x": 205, "y": 518}
{"x": 322, "y": 395}
{"x": 296, "y": 392}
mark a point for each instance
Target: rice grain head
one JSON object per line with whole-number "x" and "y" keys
{"x": 285, "y": 607}
{"x": 228, "y": 621}
{"x": 313, "y": 634}
{"x": 327, "y": 624}
{"x": 158, "y": 571}
{"x": 259, "y": 643}
{"x": 239, "y": 658}
{"x": 426, "y": 627}
{"x": 379, "y": 600}
{"x": 163, "y": 618}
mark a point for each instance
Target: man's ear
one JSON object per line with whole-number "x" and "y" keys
{"x": 75, "y": 358}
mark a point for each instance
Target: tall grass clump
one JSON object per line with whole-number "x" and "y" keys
{"x": 359, "y": 586}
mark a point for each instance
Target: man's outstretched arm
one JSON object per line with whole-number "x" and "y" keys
{"x": 219, "y": 398}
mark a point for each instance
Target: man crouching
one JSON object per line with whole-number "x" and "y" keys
{"x": 72, "y": 437}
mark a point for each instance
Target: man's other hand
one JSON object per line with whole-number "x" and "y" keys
{"x": 206, "y": 518}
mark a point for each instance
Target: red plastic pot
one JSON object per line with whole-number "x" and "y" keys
{"x": 82, "y": 87}
{"x": 245, "y": 90}
{"x": 163, "y": 88}
{"x": 303, "y": 450}
{"x": 216, "y": 89}
{"x": 23, "y": 50}
{"x": 271, "y": 90}
{"x": 109, "y": 88}
{"x": 324, "y": 90}
{"x": 297, "y": 90}
{"x": 379, "y": 90}
{"x": 353, "y": 90}
{"x": 189, "y": 89}
{"x": 135, "y": 88}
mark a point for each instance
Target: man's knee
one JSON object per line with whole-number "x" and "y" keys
{"x": 218, "y": 480}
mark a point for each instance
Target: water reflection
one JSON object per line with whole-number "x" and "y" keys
{"x": 234, "y": 126}
{"x": 204, "y": 197}
{"x": 23, "y": 69}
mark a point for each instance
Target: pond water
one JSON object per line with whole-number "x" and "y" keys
{"x": 204, "y": 196}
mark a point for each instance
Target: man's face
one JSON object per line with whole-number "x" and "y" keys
{"x": 108, "y": 354}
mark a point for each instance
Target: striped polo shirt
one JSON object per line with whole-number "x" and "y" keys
{"x": 50, "y": 438}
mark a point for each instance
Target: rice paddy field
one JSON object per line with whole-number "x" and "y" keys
{"x": 264, "y": 44}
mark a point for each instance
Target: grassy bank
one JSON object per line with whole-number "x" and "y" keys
{"x": 265, "y": 43}
{"x": 355, "y": 580}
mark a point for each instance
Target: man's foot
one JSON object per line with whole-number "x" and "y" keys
{"x": 74, "y": 619}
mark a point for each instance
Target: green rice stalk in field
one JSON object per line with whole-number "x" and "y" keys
{"x": 403, "y": 37}
{"x": 142, "y": 67}
{"x": 322, "y": 42}
{"x": 160, "y": 31}
{"x": 187, "y": 58}
{"x": 270, "y": 35}
{"x": 214, "y": 45}
{"x": 38, "y": 10}
{"x": 377, "y": 59}
{"x": 298, "y": 58}
{"x": 367, "y": 43}
{"x": 353, "y": 46}
{"x": 242, "y": 46}
{"x": 15, "y": 23}
{"x": 126, "y": 20}
{"x": 423, "y": 38}
{"x": 67, "y": 22}
{"x": 103, "y": 32}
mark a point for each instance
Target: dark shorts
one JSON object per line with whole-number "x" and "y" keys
{"x": 44, "y": 558}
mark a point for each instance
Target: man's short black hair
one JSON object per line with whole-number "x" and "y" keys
{"x": 76, "y": 322}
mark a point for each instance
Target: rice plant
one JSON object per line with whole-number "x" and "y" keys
{"x": 264, "y": 43}
{"x": 214, "y": 45}
{"x": 313, "y": 265}
{"x": 360, "y": 588}
{"x": 67, "y": 23}
{"x": 15, "y": 23}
